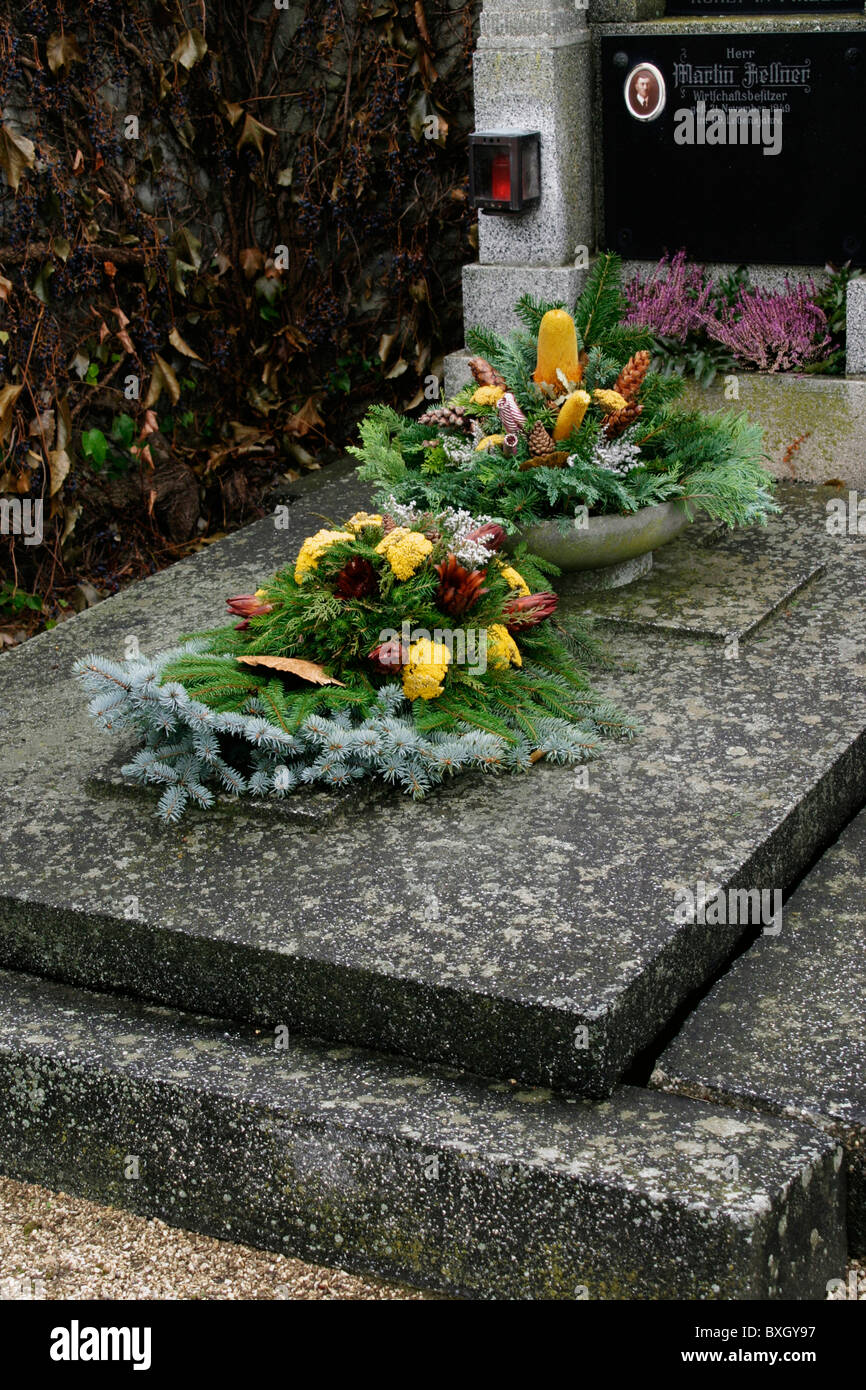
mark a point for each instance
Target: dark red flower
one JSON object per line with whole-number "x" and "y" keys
{"x": 492, "y": 535}
{"x": 247, "y": 606}
{"x": 459, "y": 588}
{"x": 357, "y": 579}
{"x": 528, "y": 610}
{"x": 390, "y": 656}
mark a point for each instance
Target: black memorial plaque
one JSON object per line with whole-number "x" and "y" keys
{"x": 737, "y": 147}
{"x": 720, "y": 9}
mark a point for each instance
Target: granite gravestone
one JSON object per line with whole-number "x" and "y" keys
{"x": 736, "y": 146}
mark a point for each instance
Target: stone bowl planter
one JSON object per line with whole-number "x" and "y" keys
{"x": 610, "y": 550}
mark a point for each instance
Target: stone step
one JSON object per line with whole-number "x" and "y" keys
{"x": 428, "y": 1177}
{"x": 784, "y": 1031}
{"x": 523, "y": 927}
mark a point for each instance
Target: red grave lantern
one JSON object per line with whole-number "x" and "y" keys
{"x": 504, "y": 170}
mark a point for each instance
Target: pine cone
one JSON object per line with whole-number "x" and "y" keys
{"x": 615, "y": 425}
{"x": 484, "y": 374}
{"x": 449, "y": 416}
{"x": 630, "y": 379}
{"x": 540, "y": 441}
{"x": 356, "y": 579}
{"x": 459, "y": 588}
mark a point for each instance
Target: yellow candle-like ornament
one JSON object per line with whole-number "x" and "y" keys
{"x": 570, "y": 417}
{"x": 557, "y": 347}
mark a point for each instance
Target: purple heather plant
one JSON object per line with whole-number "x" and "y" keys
{"x": 673, "y": 301}
{"x": 773, "y": 331}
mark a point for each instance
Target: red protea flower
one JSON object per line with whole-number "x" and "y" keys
{"x": 458, "y": 588}
{"x": 357, "y": 579}
{"x": 528, "y": 610}
{"x": 490, "y": 533}
{"x": 390, "y": 656}
{"x": 247, "y": 606}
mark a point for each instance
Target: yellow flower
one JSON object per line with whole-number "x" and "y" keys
{"x": 425, "y": 670}
{"x": 571, "y": 415}
{"x": 502, "y": 650}
{"x": 488, "y": 395}
{"x": 514, "y": 580}
{"x": 612, "y": 401}
{"x": 362, "y": 519}
{"x": 557, "y": 348}
{"x": 405, "y": 550}
{"x": 314, "y": 548}
{"x": 490, "y": 441}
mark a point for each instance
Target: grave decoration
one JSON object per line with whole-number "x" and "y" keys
{"x": 567, "y": 420}
{"x": 399, "y": 646}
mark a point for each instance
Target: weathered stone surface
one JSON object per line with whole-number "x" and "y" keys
{"x": 531, "y": 71}
{"x": 490, "y": 293}
{"x": 855, "y": 326}
{"x": 784, "y": 1030}
{"x": 711, "y": 582}
{"x": 814, "y": 426}
{"x": 521, "y": 927}
{"x": 349, "y": 1158}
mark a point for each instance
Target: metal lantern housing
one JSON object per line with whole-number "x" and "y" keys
{"x": 504, "y": 170}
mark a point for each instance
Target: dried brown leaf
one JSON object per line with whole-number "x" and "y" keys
{"x": 307, "y": 670}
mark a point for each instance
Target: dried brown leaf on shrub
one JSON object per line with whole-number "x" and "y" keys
{"x": 305, "y": 419}
{"x": 253, "y": 133}
{"x": 63, "y": 51}
{"x": 181, "y": 346}
{"x": 162, "y": 376}
{"x": 252, "y": 261}
{"x": 190, "y": 50}
{"x": 8, "y": 397}
{"x": 59, "y": 464}
{"x": 17, "y": 153}
{"x": 307, "y": 670}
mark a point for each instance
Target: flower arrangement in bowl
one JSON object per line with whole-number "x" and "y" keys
{"x": 402, "y": 646}
{"x": 564, "y": 424}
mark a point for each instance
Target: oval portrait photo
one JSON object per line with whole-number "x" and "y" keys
{"x": 645, "y": 92}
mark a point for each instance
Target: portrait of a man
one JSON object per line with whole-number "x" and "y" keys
{"x": 645, "y": 92}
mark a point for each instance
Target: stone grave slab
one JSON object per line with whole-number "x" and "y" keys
{"x": 714, "y": 583}
{"x": 784, "y": 1031}
{"x": 521, "y": 927}
{"x": 344, "y": 1157}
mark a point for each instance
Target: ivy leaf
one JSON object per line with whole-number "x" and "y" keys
{"x": 94, "y": 446}
{"x": 5, "y": 287}
{"x": 233, "y": 111}
{"x": 188, "y": 248}
{"x": 190, "y": 50}
{"x": 40, "y": 284}
{"x": 17, "y": 153}
{"x": 63, "y": 51}
{"x": 253, "y": 133}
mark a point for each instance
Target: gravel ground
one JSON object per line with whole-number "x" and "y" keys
{"x": 80, "y": 1250}
{"x": 55, "y": 1246}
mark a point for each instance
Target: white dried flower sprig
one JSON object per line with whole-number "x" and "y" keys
{"x": 619, "y": 456}
{"x": 459, "y": 524}
{"x": 455, "y": 523}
